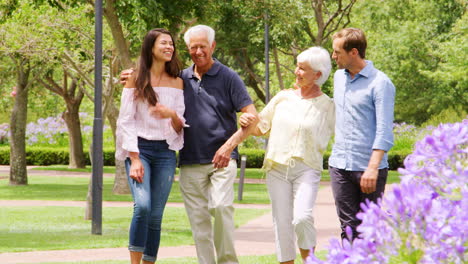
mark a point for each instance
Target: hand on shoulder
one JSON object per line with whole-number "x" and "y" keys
{"x": 131, "y": 80}
{"x": 124, "y": 75}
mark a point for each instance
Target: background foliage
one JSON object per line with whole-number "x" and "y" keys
{"x": 420, "y": 44}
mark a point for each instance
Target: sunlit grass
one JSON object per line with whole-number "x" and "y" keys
{"x": 250, "y": 173}
{"x": 106, "y": 169}
{"x": 56, "y": 227}
{"x": 63, "y": 188}
{"x": 66, "y": 188}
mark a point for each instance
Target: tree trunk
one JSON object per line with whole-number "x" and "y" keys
{"x": 120, "y": 180}
{"x": 73, "y": 96}
{"x": 89, "y": 202}
{"x": 89, "y": 196}
{"x": 278, "y": 68}
{"x": 72, "y": 120}
{"x": 18, "y": 170}
{"x": 117, "y": 33}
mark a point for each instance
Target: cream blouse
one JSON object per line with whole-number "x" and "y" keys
{"x": 299, "y": 128}
{"x": 135, "y": 120}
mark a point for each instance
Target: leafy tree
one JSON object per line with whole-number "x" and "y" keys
{"x": 450, "y": 76}
{"x": 240, "y": 26}
{"x": 20, "y": 48}
{"x": 43, "y": 36}
{"x": 6, "y": 9}
{"x": 402, "y": 37}
{"x": 69, "y": 35}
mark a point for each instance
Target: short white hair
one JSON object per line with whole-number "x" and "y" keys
{"x": 208, "y": 31}
{"x": 318, "y": 59}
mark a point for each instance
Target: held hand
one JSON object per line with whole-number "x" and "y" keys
{"x": 124, "y": 75}
{"x": 137, "y": 170}
{"x": 369, "y": 180}
{"x": 161, "y": 111}
{"x": 246, "y": 119}
{"x": 222, "y": 157}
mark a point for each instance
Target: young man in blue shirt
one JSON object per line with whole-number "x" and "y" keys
{"x": 364, "y": 99}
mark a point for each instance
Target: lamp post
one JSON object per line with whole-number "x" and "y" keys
{"x": 267, "y": 59}
{"x": 97, "y": 161}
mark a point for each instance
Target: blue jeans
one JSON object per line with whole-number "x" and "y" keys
{"x": 150, "y": 196}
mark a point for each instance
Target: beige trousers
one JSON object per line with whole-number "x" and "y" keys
{"x": 207, "y": 193}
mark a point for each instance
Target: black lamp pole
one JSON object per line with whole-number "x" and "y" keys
{"x": 267, "y": 59}
{"x": 97, "y": 163}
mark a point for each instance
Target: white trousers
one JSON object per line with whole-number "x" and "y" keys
{"x": 293, "y": 191}
{"x": 209, "y": 192}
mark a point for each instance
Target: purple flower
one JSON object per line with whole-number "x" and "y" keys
{"x": 87, "y": 129}
{"x": 46, "y": 131}
{"x": 4, "y": 133}
{"x": 423, "y": 219}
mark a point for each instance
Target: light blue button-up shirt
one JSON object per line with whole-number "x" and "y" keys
{"x": 364, "y": 118}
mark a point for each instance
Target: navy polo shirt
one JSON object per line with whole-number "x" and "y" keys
{"x": 210, "y": 110}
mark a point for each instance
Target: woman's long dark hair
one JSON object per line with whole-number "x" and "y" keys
{"x": 144, "y": 90}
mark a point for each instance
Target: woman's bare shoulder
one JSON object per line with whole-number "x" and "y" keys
{"x": 179, "y": 83}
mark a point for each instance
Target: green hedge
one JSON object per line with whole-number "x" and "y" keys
{"x": 51, "y": 155}
{"x": 396, "y": 158}
{"x": 4, "y": 155}
{"x": 255, "y": 158}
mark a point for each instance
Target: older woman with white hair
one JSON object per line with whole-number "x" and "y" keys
{"x": 300, "y": 122}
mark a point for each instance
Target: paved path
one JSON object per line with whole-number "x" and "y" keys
{"x": 254, "y": 238}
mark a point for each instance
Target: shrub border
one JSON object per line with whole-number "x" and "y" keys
{"x": 41, "y": 156}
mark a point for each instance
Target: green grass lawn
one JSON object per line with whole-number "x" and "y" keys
{"x": 250, "y": 173}
{"x": 75, "y": 189}
{"x": 56, "y": 227}
{"x": 106, "y": 169}
{"x": 47, "y": 228}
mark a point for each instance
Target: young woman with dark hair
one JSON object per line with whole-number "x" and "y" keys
{"x": 149, "y": 131}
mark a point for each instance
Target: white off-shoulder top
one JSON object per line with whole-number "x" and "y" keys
{"x": 136, "y": 121}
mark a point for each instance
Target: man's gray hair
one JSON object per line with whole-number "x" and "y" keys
{"x": 318, "y": 59}
{"x": 208, "y": 31}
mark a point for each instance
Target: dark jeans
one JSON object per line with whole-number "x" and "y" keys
{"x": 348, "y": 196}
{"x": 150, "y": 196}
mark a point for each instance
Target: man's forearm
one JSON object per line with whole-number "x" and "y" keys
{"x": 241, "y": 134}
{"x": 223, "y": 154}
{"x": 375, "y": 159}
